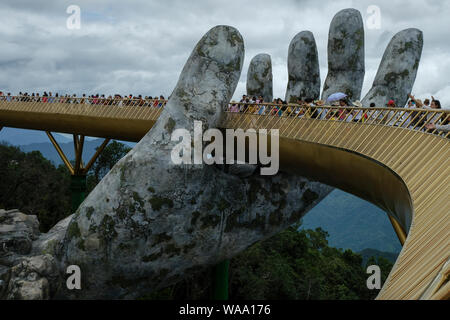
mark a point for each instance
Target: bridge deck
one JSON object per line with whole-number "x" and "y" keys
{"x": 403, "y": 171}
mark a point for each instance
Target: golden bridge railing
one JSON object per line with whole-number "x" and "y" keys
{"x": 123, "y": 119}
{"x": 146, "y": 109}
{"x": 412, "y": 119}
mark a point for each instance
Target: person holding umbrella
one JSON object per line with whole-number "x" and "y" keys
{"x": 338, "y": 96}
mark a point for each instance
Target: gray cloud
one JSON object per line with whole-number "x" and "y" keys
{"x": 141, "y": 46}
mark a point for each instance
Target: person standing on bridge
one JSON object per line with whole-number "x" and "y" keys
{"x": 435, "y": 106}
{"x": 161, "y": 102}
{"x": 359, "y": 115}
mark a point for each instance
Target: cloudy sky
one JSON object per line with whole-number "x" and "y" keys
{"x": 140, "y": 46}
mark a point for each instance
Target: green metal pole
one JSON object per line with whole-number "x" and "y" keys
{"x": 78, "y": 190}
{"x": 220, "y": 281}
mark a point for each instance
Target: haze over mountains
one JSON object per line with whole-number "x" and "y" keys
{"x": 351, "y": 222}
{"x": 32, "y": 140}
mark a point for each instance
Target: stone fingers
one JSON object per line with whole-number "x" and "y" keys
{"x": 346, "y": 66}
{"x": 303, "y": 68}
{"x": 259, "y": 77}
{"x": 398, "y": 69}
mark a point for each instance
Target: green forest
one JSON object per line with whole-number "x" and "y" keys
{"x": 295, "y": 264}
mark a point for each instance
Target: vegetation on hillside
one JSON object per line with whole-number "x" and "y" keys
{"x": 293, "y": 265}
{"x": 31, "y": 183}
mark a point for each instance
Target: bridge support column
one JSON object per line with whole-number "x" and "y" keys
{"x": 220, "y": 280}
{"x": 401, "y": 233}
{"x": 78, "y": 170}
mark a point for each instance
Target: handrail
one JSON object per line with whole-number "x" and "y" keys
{"x": 408, "y": 118}
{"x": 138, "y": 102}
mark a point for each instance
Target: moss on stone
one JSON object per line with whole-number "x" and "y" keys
{"x": 275, "y": 218}
{"x": 50, "y": 247}
{"x": 309, "y": 197}
{"x": 189, "y": 247}
{"x": 408, "y": 45}
{"x": 209, "y": 221}
{"x": 233, "y": 65}
{"x": 80, "y": 245}
{"x": 277, "y": 188}
{"x": 73, "y": 231}
{"x": 394, "y": 76}
{"x": 122, "y": 173}
{"x": 170, "y": 125}
{"x": 338, "y": 45}
{"x": 138, "y": 199}
{"x": 121, "y": 212}
{"x": 296, "y": 216}
{"x": 151, "y": 189}
{"x": 172, "y": 250}
{"x": 89, "y": 212}
{"x": 152, "y": 257}
{"x": 158, "y": 202}
{"x": 234, "y": 39}
{"x": 164, "y": 272}
{"x": 106, "y": 229}
{"x": 307, "y": 41}
{"x": 258, "y": 223}
{"x": 92, "y": 228}
{"x": 232, "y": 220}
{"x": 194, "y": 218}
{"x": 124, "y": 246}
{"x": 162, "y": 237}
{"x": 222, "y": 205}
{"x": 256, "y": 189}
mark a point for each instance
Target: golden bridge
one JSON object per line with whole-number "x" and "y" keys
{"x": 385, "y": 156}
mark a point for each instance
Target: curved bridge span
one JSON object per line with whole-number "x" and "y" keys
{"x": 384, "y": 156}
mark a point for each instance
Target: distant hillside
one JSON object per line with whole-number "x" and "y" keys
{"x": 49, "y": 152}
{"x": 353, "y": 223}
{"x": 20, "y": 137}
{"x": 33, "y": 140}
{"x": 368, "y": 253}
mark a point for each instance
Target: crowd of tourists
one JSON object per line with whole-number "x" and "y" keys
{"x": 344, "y": 110}
{"x": 96, "y": 99}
